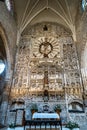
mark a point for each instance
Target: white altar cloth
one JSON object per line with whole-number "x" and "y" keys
{"x": 45, "y": 116}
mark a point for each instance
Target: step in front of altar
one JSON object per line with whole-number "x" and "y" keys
{"x": 43, "y": 128}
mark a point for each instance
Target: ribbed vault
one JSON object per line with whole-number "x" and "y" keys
{"x": 33, "y": 11}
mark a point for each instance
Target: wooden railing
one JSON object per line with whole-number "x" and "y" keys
{"x": 40, "y": 123}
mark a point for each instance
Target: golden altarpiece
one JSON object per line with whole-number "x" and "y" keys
{"x": 47, "y": 70}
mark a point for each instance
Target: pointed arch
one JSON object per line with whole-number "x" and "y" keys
{"x": 8, "y": 56}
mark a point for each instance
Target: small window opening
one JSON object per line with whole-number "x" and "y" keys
{"x": 2, "y": 66}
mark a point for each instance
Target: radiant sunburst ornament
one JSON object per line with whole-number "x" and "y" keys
{"x": 46, "y": 48}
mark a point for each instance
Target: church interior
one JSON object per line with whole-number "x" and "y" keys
{"x": 43, "y": 60}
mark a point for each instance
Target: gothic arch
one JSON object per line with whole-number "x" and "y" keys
{"x": 8, "y": 56}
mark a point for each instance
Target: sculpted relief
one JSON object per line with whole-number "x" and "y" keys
{"x": 46, "y": 60}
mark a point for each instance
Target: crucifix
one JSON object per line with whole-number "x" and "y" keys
{"x": 46, "y": 84}
{"x": 45, "y": 49}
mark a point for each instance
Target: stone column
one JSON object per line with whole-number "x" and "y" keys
{"x": 4, "y": 103}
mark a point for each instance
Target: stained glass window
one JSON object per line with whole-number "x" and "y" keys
{"x": 2, "y": 66}
{"x": 8, "y": 4}
{"x": 84, "y": 4}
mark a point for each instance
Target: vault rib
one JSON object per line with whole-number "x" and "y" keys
{"x": 30, "y": 11}
{"x": 60, "y": 16}
{"x": 25, "y": 12}
{"x": 47, "y": 4}
{"x": 38, "y": 12}
{"x": 67, "y": 5}
{"x": 63, "y": 11}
